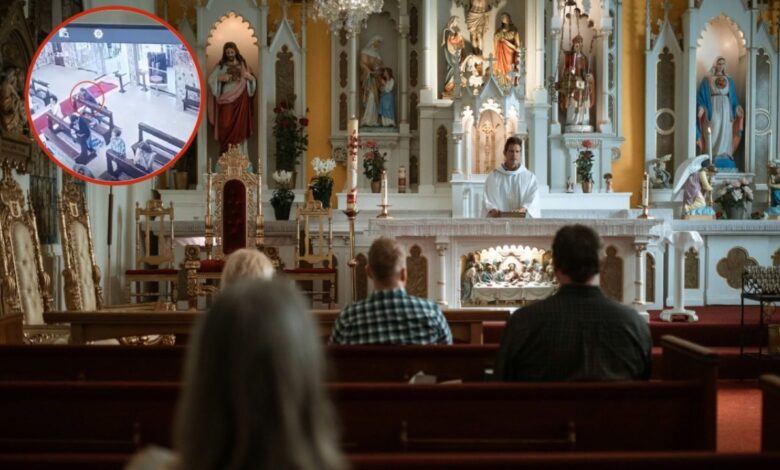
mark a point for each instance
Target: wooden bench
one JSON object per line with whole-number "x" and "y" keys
{"x": 56, "y": 126}
{"x": 672, "y": 415}
{"x": 466, "y": 325}
{"x": 770, "y": 413}
{"x": 11, "y": 328}
{"x": 191, "y": 98}
{"x": 165, "y": 363}
{"x": 105, "y": 118}
{"x": 124, "y": 165}
{"x": 165, "y": 147}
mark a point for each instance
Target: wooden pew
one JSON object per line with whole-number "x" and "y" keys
{"x": 11, "y": 329}
{"x": 164, "y": 146}
{"x": 466, "y": 324}
{"x": 69, "y": 145}
{"x": 191, "y": 98}
{"x": 468, "y": 363}
{"x": 105, "y": 118}
{"x": 124, "y": 165}
{"x": 624, "y": 416}
{"x": 770, "y": 413}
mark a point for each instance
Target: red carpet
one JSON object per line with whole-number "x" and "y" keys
{"x": 739, "y": 416}
{"x": 66, "y": 107}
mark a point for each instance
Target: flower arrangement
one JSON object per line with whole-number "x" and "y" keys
{"x": 322, "y": 182}
{"x": 290, "y": 135}
{"x": 373, "y": 161}
{"x": 282, "y": 193}
{"x": 735, "y": 194}
{"x": 585, "y": 163}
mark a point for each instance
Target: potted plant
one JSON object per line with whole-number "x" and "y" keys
{"x": 735, "y": 198}
{"x": 374, "y": 165}
{"x": 321, "y": 184}
{"x": 585, "y": 167}
{"x": 283, "y": 196}
{"x": 290, "y": 136}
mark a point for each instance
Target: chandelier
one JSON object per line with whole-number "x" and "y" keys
{"x": 346, "y": 14}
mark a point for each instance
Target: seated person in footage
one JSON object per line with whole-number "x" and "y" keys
{"x": 253, "y": 394}
{"x": 246, "y": 263}
{"x": 144, "y": 157}
{"x": 389, "y": 315}
{"x": 578, "y": 333}
{"x": 511, "y": 187}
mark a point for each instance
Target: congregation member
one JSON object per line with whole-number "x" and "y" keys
{"x": 390, "y": 315}
{"x": 246, "y": 263}
{"x": 253, "y": 393}
{"x": 511, "y": 187}
{"x": 578, "y": 333}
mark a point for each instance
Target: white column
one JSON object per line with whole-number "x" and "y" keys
{"x": 639, "y": 280}
{"x": 602, "y": 77}
{"x": 352, "y": 87}
{"x": 403, "y": 67}
{"x": 539, "y": 33}
{"x": 457, "y": 145}
{"x": 681, "y": 242}
{"x": 428, "y": 91}
{"x": 441, "y": 249}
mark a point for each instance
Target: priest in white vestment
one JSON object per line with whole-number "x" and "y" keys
{"x": 511, "y": 187}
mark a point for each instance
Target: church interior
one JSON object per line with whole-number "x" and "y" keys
{"x": 308, "y": 129}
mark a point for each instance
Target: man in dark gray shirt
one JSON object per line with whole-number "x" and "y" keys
{"x": 578, "y": 333}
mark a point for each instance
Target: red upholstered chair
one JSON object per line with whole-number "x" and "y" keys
{"x": 158, "y": 267}
{"x": 314, "y": 259}
{"x": 232, "y": 198}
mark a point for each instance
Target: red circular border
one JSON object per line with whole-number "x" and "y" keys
{"x": 159, "y": 20}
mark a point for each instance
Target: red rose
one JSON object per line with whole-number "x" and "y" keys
{"x": 587, "y": 144}
{"x": 283, "y": 104}
{"x": 304, "y": 122}
{"x": 277, "y": 110}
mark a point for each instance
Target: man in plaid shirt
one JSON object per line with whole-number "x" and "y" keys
{"x": 578, "y": 333}
{"x": 390, "y": 315}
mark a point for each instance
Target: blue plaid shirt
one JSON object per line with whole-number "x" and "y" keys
{"x": 391, "y": 317}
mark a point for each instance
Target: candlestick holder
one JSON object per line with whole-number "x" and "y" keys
{"x": 383, "y": 214}
{"x": 352, "y": 263}
{"x": 645, "y": 212}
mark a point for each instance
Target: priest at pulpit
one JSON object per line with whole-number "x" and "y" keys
{"x": 511, "y": 187}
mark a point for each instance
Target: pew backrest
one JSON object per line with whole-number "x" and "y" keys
{"x": 770, "y": 413}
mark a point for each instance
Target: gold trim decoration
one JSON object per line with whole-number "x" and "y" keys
{"x": 74, "y": 213}
{"x": 692, "y": 269}
{"x": 417, "y": 270}
{"x": 731, "y": 267}
{"x": 12, "y": 212}
{"x": 611, "y": 278}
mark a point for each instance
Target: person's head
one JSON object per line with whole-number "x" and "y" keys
{"x": 452, "y": 23}
{"x": 576, "y": 254}
{"x": 387, "y": 73}
{"x": 576, "y": 43}
{"x": 116, "y": 132}
{"x": 74, "y": 118}
{"x": 246, "y": 263}
{"x": 253, "y": 393}
{"x": 146, "y": 147}
{"x": 719, "y": 66}
{"x": 512, "y": 153}
{"x": 230, "y": 52}
{"x": 505, "y": 19}
{"x": 386, "y": 264}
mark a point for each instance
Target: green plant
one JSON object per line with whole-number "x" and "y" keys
{"x": 373, "y": 161}
{"x": 282, "y": 192}
{"x": 290, "y": 135}
{"x": 585, "y": 166}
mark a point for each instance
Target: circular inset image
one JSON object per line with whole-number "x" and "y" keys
{"x": 114, "y": 95}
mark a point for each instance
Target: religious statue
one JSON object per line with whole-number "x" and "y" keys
{"x": 773, "y": 184}
{"x": 470, "y": 277}
{"x": 230, "y": 106}
{"x": 371, "y": 69}
{"x": 693, "y": 177}
{"x": 477, "y": 14}
{"x": 506, "y": 49}
{"x": 386, "y": 98}
{"x": 577, "y": 87}
{"x": 661, "y": 178}
{"x": 720, "y": 118}
{"x": 453, "y": 44}
{"x": 11, "y": 106}
{"x": 608, "y": 183}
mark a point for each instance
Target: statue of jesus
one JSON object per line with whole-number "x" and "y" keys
{"x": 230, "y": 107}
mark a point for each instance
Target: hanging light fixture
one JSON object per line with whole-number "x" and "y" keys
{"x": 346, "y": 14}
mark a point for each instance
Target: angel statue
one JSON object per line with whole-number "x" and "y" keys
{"x": 662, "y": 179}
{"x": 477, "y": 14}
{"x": 692, "y": 176}
{"x": 773, "y": 184}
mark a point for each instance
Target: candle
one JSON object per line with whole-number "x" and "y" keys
{"x": 402, "y": 179}
{"x": 646, "y": 191}
{"x": 259, "y": 192}
{"x": 384, "y": 188}
{"x": 352, "y": 147}
{"x": 522, "y": 152}
{"x": 709, "y": 143}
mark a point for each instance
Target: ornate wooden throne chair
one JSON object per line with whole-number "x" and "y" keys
{"x": 233, "y": 220}
{"x": 81, "y": 273}
{"x": 157, "y": 267}
{"x": 314, "y": 260}
{"x": 25, "y": 286}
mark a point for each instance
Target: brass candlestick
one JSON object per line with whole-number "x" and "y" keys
{"x": 352, "y": 263}
{"x": 645, "y": 213}
{"x": 383, "y": 214}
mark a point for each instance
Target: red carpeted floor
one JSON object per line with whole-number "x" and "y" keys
{"x": 101, "y": 88}
{"x": 739, "y": 416}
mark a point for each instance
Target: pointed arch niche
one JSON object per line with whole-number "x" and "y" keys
{"x": 232, "y": 28}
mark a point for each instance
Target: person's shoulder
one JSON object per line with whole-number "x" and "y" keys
{"x": 624, "y": 312}
{"x": 425, "y": 303}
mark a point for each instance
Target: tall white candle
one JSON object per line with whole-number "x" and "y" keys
{"x": 709, "y": 143}
{"x": 352, "y": 147}
{"x": 646, "y": 191}
{"x": 259, "y": 192}
{"x": 384, "y": 187}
